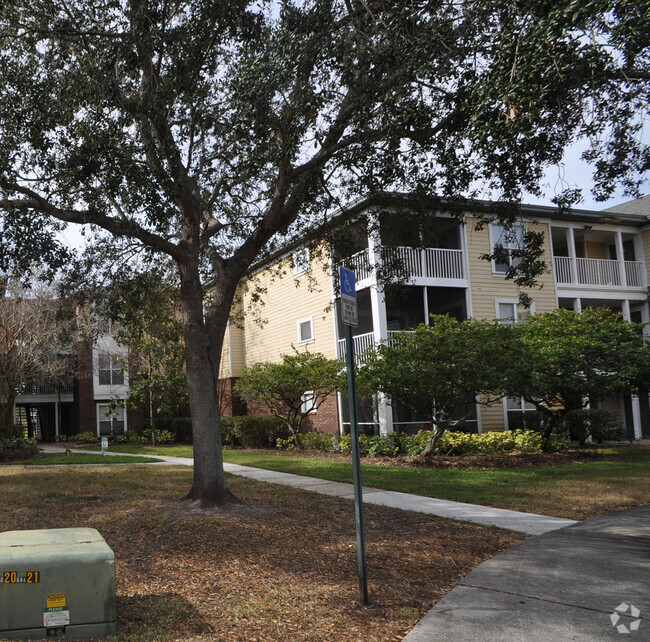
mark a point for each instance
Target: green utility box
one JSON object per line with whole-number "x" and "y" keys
{"x": 58, "y": 582}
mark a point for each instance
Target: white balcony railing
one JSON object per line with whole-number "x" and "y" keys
{"x": 634, "y": 274}
{"x": 409, "y": 262}
{"x": 359, "y": 263}
{"x": 598, "y": 272}
{"x": 362, "y": 343}
{"x": 430, "y": 263}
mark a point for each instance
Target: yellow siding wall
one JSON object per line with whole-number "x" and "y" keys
{"x": 270, "y": 325}
{"x": 597, "y": 250}
{"x": 486, "y": 288}
{"x": 233, "y": 355}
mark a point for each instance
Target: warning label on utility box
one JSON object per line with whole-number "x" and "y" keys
{"x": 55, "y": 600}
{"x": 56, "y": 616}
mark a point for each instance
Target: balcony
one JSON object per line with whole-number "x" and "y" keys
{"x": 599, "y": 272}
{"x": 35, "y": 388}
{"x": 431, "y": 264}
{"x": 362, "y": 344}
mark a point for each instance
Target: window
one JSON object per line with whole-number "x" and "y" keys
{"x": 516, "y": 409}
{"x": 306, "y": 331}
{"x": 508, "y": 240}
{"x": 509, "y": 311}
{"x": 110, "y": 370}
{"x": 110, "y": 422}
{"x": 308, "y": 402}
{"x": 301, "y": 261}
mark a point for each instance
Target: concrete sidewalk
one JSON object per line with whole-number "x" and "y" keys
{"x": 523, "y": 522}
{"x": 588, "y": 582}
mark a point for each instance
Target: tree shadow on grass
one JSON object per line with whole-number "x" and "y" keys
{"x": 158, "y": 616}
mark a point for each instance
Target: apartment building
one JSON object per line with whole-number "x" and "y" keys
{"x": 47, "y": 410}
{"x": 595, "y": 259}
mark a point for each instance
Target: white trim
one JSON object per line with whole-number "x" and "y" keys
{"x": 308, "y": 397}
{"x": 513, "y": 302}
{"x": 522, "y": 225}
{"x": 301, "y": 261}
{"x": 310, "y": 320}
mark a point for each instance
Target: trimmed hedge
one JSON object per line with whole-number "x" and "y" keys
{"x": 247, "y": 431}
{"x": 451, "y": 443}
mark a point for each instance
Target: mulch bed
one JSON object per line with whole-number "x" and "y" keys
{"x": 281, "y": 566}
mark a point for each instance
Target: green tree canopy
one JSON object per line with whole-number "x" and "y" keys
{"x": 563, "y": 360}
{"x": 146, "y": 310}
{"x": 439, "y": 365}
{"x": 292, "y": 389}
{"x": 209, "y": 131}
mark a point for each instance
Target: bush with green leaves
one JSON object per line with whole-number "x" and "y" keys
{"x": 180, "y": 427}
{"x": 253, "y": 431}
{"x": 292, "y": 389}
{"x": 450, "y": 443}
{"x": 598, "y": 424}
{"x": 85, "y": 437}
{"x": 15, "y": 448}
{"x": 385, "y": 445}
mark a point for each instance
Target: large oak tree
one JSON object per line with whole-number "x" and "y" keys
{"x": 209, "y": 131}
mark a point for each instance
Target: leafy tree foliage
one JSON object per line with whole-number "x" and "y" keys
{"x": 292, "y": 389}
{"x": 209, "y": 131}
{"x": 439, "y": 365}
{"x": 146, "y": 309}
{"x": 561, "y": 361}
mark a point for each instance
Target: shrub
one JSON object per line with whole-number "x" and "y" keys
{"x": 451, "y": 443}
{"x": 595, "y": 423}
{"x": 17, "y": 448}
{"x": 86, "y": 437}
{"x": 253, "y": 431}
{"x": 345, "y": 445}
{"x": 180, "y": 427}
{"x": 491, "y": 443}
{"x": 385, "y": 445}
{"x": 319, "y": 441}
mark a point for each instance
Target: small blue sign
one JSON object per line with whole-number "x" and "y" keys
{"x": 348, "y": 285}
{"x": 348, "y": 297}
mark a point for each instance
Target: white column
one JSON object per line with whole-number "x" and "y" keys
{"x": 577, "y": 305}
{"x": 379, "y": 319}
{"x": 636, "y": 417}
{"x": 571, "y": 246}
{"x": 57, "y": 428}
{"x": 619, "y": 257}
{"x": 625, "y": 308}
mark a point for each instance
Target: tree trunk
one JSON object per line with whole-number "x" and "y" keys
{"x": 429, "y": 450}
{"x": 7, "y": 416}
{"x": 209, "y": 486}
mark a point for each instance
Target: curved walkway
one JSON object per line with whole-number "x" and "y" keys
{"x": 528, "y": 523}
{"x": 587, "y": 582}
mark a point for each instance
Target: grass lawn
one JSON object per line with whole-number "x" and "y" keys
{"x": 282, "y": 566}
{"x": 609, "y": 479}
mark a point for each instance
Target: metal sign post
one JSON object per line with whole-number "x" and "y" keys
{"x": 349, "y": 317}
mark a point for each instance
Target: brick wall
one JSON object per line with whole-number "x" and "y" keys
{"x": 230, "y": 405}
{"x": 326, "y": 419}
{"x": 85, "y": 415}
